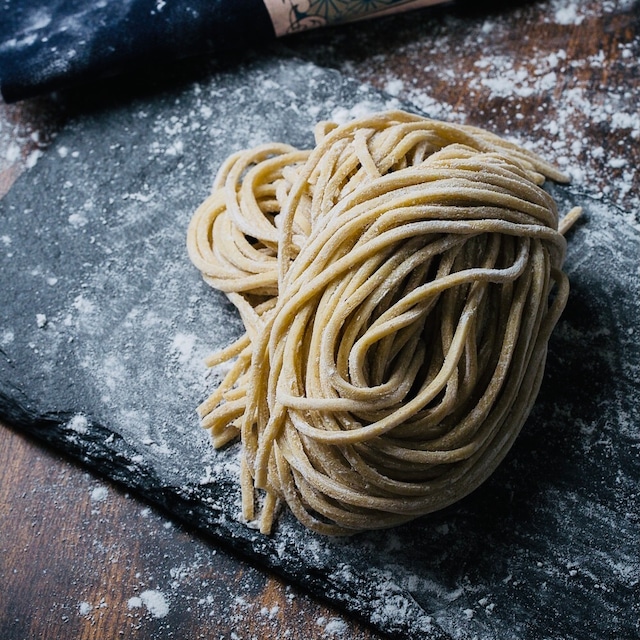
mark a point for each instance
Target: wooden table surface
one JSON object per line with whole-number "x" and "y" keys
{"x": 80, "y": 558}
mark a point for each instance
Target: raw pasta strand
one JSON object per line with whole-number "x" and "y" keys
{"x": 398, "y": 283}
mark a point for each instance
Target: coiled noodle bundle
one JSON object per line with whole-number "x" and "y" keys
{"x": 398, "y": 284}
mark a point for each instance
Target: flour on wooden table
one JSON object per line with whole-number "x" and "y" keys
{"x": 575, "y": 119}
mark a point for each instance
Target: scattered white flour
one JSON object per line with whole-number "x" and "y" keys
{"x": 99, "y": 494}
{"x": 77, "y": 220}
{"x": 394, "y": 87}
{"x": 577, "y": 119}
{"x": 154, "y": 601}
{"x": 79, "y": 424}
{"x": 183, "y": 345}
{"x": 83, "y": 305}
{"x": 270, "y": 613}
{"x": 33, "y": 158}
{"x": 342, "y": 115}
{"x": 12, "y": 154}
{"x": 568, "y": 15}
{"x": 84, "y": 608}
{"x": 334, "y": 626}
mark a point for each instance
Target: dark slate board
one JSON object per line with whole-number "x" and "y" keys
{"x": 104, "y": 324}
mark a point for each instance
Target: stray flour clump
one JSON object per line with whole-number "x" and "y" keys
{"x": 99, "y": 494}
{"x": 154, "y": 601}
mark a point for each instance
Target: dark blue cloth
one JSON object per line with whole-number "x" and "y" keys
{"x": 46, "y": 45}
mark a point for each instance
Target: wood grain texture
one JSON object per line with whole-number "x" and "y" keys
{"x": 76, "y": 553}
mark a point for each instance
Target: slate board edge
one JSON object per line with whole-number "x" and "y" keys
{"x": 106, "y": 454}
{"x": 111, "y": 460}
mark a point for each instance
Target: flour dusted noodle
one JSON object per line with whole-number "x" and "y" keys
{"x": 398, "y": 284}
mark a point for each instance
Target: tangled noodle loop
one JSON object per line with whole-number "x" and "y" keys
{"x": 398, "y": 284}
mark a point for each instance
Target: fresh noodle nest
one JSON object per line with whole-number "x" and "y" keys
{"x": 398, "y": 284}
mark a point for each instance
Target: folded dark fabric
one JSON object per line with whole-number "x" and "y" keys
{"x": 46, "y": 45}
